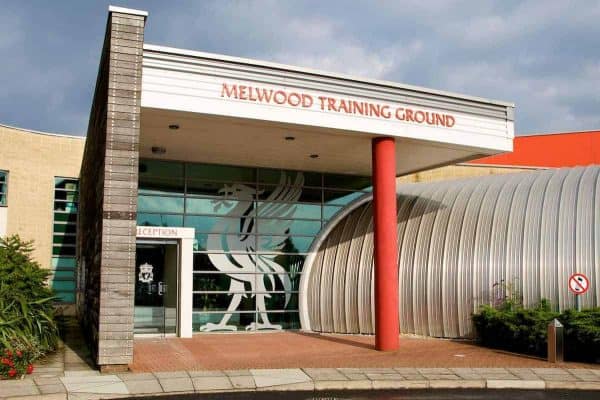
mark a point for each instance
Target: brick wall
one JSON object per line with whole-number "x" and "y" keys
{"x": 32, "y": 160}
{"x": 108, "y": 201}
{"x": 456, "y": 172}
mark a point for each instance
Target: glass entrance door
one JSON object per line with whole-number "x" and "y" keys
{"x": 156, "y": 288}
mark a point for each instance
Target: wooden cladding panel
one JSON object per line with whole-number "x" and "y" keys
{"x": 110, "y": 171}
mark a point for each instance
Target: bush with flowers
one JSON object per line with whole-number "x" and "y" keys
{"x": 15, "y": 364}
{"x": 28, "y": 326}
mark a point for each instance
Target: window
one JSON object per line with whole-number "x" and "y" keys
{"x": 62, "y": 280}
{"x": 257, "y": 222}
{"x": 3, "y": 187}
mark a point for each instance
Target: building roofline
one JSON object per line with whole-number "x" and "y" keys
{"x": 291, "y": 68}
{"x": 125, "y": 10}
{"x": 42, "y": 133}
{"x": 474, "y": 163}
{"x": 555, "y": 133}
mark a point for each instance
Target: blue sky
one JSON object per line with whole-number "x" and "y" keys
{"x": 542, "y": 55}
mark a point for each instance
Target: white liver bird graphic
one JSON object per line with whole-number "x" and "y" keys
{"x": 233, "y": 236}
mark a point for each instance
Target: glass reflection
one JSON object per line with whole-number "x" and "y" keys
{"x": 220, "y": 302}
{"x": 253, "y": 229}
{"x": 174, "y": 220}
{"x": 238, "y": 320}
{"x": 340, "y": 198}
{"x": 160, "y": 204}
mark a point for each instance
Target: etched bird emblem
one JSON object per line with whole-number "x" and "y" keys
{"x": 240, "y": 259}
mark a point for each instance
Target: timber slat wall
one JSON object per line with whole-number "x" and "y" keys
{"x": 109, "y": 179}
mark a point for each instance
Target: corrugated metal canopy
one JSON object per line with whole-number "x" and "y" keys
{"x": 462, "y": 243}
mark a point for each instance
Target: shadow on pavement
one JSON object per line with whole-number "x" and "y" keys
{"x": 333, "y": 339}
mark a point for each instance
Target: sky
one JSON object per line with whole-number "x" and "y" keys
{"x": 544, "y": 56}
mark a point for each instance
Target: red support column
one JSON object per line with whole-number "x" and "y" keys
{"x": 387, "y": 327}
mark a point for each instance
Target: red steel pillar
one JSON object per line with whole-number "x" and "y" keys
{"x": 387, "y": 327}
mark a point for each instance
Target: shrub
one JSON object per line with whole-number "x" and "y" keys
{"x": 512, "y": 327}
{"x": 17, "y": 362}
{"x": 27, "y": 321}
{"x": 582, "y": 334}
{"x": 515, "y": 328}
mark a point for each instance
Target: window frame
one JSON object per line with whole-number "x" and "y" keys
{"x": 57, "y": 248}
{"x": 4, "y": 188}
{"x": 196, "y": 188}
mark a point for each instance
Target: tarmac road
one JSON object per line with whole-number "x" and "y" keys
{"x": 395, "y": 395}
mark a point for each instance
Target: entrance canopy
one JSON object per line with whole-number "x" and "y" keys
{"x": 179, "y": 105}
{"x": 214, "y": 108}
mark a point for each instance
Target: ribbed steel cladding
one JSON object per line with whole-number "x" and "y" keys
{"x": 461, "y": 244}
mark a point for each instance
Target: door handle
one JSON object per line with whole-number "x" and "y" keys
{"x": 162, "y": 288}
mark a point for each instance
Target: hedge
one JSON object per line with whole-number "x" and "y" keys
{"x": 524, "y": 330}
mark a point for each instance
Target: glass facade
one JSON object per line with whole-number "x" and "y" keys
{"x": 3, "y": 187}
{"x": 63, "y": 279}
{"x": 253, "y": 230}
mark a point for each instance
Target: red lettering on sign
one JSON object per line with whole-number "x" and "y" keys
{"x": 331, "y": 104}
{"x": 400, "y": 114}
{"x": 229, "y": 91}
{"x": 294, "y": 99}
{"x": 264, "y": 95}
{"x": 419, "y": 117}
{"x": 385, "y": 112}
{"x": 279, "y": 97}
{"x": 358, "y": 107}
{"x": 347, "y": 106}
{"x": 344, "y": 107}
{"x": 450, "y": 121}
{"x": 322, "y": 100}
{"x": 242, "y": 92}
{"x": 307, "y": 101}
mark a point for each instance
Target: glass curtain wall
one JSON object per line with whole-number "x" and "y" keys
{"x": 64, "y": 238}
{"x": 253, "y": 227}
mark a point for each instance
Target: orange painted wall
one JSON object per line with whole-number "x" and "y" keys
{"x": 554, "y": 150}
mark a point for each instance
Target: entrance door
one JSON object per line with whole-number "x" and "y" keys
{"x": 156, "y": 288}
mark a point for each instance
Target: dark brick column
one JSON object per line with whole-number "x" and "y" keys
{"x": 108, "y": 199}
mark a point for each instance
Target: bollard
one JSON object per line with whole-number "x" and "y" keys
{"x": 555, "y": 341}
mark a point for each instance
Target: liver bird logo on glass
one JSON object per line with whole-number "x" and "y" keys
{"x": 146, "y": 275}
{"x": 254, "y": 273}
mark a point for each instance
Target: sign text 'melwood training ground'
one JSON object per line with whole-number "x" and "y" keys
{"x": 332, "y": 104}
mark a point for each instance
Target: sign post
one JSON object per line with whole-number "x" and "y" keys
{"x": 578, "y": 284}
{"x": 555, "y": 342}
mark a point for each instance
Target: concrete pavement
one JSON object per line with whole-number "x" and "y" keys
{"x": 93, "y": 385}
{"x": 69, "y": 374}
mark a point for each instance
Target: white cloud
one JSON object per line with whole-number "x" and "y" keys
{"x": 353, "y": 59}
{"x": 544, "y": 56}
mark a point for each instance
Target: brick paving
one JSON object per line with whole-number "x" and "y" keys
{"x": 420, "y": 364}
{"x": 302, "y": 350}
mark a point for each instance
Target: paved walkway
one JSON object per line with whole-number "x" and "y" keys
{"x": 303, "y": 350}
{"x": 93, "y": 385}
{"x": 68, "y": 374}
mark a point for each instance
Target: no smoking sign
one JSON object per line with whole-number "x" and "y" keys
{"x": 579, "y": 283}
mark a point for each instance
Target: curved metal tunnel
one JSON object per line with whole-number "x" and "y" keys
{"x": 462, "y": 243}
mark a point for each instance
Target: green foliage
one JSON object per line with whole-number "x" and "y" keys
{"x": 27, "y": 320}
{"x": 582, "y": 334}
{"x": 512, "y": 327}
{"x": 17, "y": 362}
